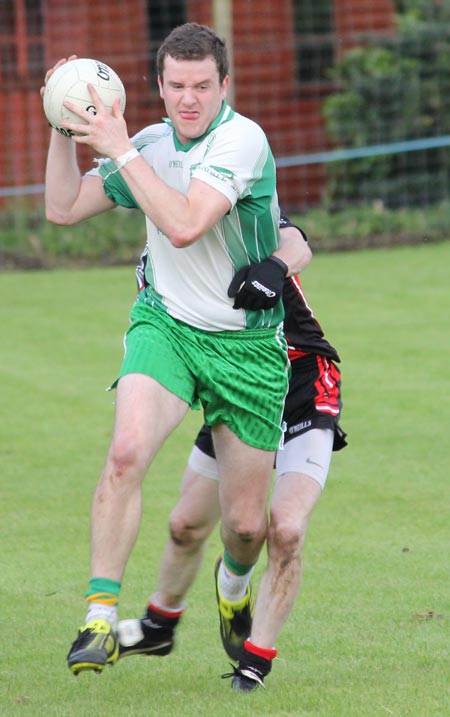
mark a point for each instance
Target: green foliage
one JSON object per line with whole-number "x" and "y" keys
{"x": 394, "y": 91}
{"x": 27, "y": 240}
{"x": 368, "y": 635}
{"x": 373, "y": 225}
{"x": 377, "y": 87}
{"x": 428, "y": 10}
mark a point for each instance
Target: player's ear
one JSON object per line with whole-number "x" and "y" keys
{"x": 160, "y": 85}
{"x": 225, "y": 85}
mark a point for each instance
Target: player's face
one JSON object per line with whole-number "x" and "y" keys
{"x": 192, "y": 95}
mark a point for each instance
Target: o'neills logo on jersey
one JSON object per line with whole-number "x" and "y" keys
{"x": 175, "y": 164}
{"x": 265, "y": 290}
{"x": 222, "y": 173}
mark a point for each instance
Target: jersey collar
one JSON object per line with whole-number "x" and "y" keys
{"x": 225, "y": 115}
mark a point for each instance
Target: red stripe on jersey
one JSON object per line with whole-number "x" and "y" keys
{"x": 294, "y": 353}
{"x": 327, "y": 387}
{"x": 295, "y": 281}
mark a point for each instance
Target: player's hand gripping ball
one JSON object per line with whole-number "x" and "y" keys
{"x": 70, "y": 82}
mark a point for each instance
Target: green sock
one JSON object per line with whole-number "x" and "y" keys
{"x": 236, "y": 568}
{"x": 103, "y": 591}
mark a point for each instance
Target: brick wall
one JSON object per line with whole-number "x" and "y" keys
{"x": 264, "y": 80}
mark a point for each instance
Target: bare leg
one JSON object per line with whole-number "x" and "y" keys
{"x": 191, "y": 522}
{"x": 245, "y": 474}
{"x": 294, "y": 498}
{"x": 146, "y": 413}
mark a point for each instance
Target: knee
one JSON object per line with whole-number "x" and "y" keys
{"x": 125, "y": 459}
{"x": 185, "y": 534}
{"x": 246, "y": 529}
{"x": 286, "y": 537}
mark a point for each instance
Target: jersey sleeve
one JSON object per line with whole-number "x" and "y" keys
{"x": 114, "y": 185}
{"x": 239, "y": 162}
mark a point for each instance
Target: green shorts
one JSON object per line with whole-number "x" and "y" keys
{"x": 240, "y": 377}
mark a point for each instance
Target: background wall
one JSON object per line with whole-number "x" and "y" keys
{"x": 295, "y": 69}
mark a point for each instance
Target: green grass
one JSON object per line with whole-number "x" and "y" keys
{"x": 370, "y": 633}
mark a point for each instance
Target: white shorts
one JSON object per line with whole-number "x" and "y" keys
{"x": 309, "y": 453}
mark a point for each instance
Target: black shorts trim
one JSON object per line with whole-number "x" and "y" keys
{"x": 204, "y": 441}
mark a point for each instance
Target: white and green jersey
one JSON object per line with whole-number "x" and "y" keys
{"x": 191, "y": 284}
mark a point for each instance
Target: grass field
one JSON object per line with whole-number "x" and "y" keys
{"x": 370, "y": 634}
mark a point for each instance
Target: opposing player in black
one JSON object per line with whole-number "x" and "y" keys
{"x": 312, "y": 412}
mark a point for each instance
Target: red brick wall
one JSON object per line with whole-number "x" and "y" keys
{"x": 264, "y": 79}
{"x": 363, "y": 16}
{"x": 267, "y": 90}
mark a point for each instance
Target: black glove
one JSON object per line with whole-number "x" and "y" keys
{"x": 258, "y": 286}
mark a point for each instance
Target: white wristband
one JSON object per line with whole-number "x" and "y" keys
{"x": 126, "y": 157}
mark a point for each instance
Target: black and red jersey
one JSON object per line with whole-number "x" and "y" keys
{"x": 302, "y": 330}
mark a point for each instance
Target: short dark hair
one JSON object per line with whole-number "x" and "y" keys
{"x": 194, "y": 42}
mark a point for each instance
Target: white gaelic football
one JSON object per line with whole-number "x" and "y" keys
{"x": 70, "y": 82}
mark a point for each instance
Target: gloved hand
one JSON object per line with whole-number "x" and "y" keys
{"x": 258, "y": 286}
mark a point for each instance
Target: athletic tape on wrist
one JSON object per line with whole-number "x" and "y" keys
{"x": 126, "y": 157}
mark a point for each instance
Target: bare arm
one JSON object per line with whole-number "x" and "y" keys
{"x": 69, "y": 197}
{"x": 293, "y": 250}
{"x": 183, "y": 218}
